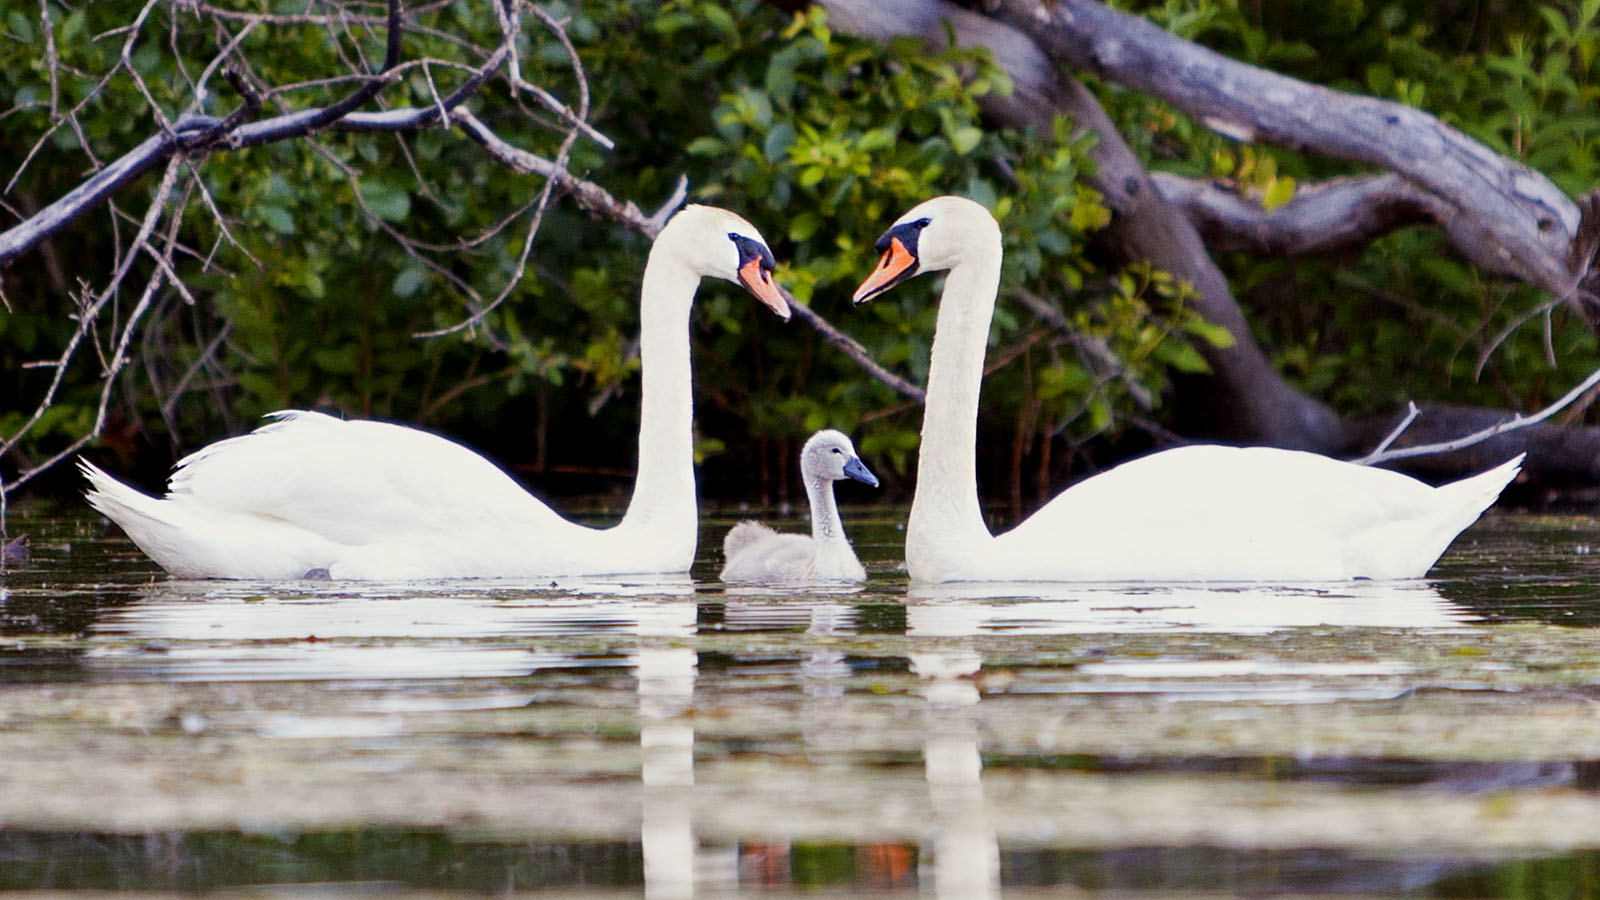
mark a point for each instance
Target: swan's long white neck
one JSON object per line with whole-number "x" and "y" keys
{"x": 945, "y": 507}
{"x": 663, "y": 501}
{"x": 826, "y": 528}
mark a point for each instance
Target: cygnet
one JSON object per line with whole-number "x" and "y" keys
{"x": 755, "y": 553}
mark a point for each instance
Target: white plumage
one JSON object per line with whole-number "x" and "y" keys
{"x": 755, "y": 553}
{"x": 1200, "y": 513}
{"x": 375, "y": 500}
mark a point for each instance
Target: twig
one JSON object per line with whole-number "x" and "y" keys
{"x": 1381, "y": 455}
{"x": 852, "y": 348}
{"x": 1094, "y": 352}
{"x": 198, "y": 131}
{"x": 1411, "y": 416}
{"x": 579, "y": 119}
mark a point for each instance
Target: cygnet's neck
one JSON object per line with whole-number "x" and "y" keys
{"x": 826, "y": 527}
{"x": 945, "y": 508}
{"x": 663, "y": 501}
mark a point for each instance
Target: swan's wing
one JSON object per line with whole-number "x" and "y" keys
{"x": 351, "y": 481}
{"x": 760, "y": 554}
{"x": 743, "y": 535}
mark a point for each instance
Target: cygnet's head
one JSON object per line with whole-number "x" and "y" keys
{"x": 720, "y": 244}
{"x": 936, "y": 234}
{"x": 830, "y": 454}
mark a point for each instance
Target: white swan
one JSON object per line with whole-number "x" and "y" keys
{"x": 374, "y": 500}
{"x": 1199, "y": 513}
{"x": 757, "y": 554}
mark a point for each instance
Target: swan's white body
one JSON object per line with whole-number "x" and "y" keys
{"x": 1200, "y": 513}
{"x": 756, "y": 554}
{"x": 374, "y": 500}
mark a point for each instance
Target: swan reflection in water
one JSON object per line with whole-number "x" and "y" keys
{"x": 210, "y": 630}
{"x": 1058, "y": 608}
{"x": 237, "y": 631}
{"x": 244, "y": 631}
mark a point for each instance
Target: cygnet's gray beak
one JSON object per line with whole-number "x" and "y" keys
{"x": 857, "y": 469}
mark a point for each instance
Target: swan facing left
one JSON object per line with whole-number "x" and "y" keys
{"x": 364, "y": 499}
{"x": 758, "y": 555}
{"x": 1195, "y": 513}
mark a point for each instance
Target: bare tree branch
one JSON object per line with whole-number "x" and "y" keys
{"x": 1320, "y": 218}
{"x": 1509, "y": 214}
{"x": 1382, "y": 455}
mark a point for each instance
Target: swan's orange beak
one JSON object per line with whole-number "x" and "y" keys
{"x": 896, "y": 265}
{"x": 757, "y": 279}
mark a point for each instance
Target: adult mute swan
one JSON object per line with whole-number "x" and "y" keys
{"x": 755, "y": 553}
{"x": 1197, "y": 513}
{"x": 374, "y": 500}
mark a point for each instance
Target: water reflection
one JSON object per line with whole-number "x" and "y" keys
{"x": 385, "y": 862}
{"x": 208, "y": 631}
{"x": 1043, "y": 608}
{"x": 852, "y": 689}
{"x": 666, "y": 676}
{"x": 966, "y": 852}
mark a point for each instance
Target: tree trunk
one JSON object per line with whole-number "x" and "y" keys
{"x": 1247, "y": 400}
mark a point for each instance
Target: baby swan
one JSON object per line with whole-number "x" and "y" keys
{"x": 757, "y": 554}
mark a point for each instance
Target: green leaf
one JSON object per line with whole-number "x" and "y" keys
{"x": 409, "y": 281}
{"x": 965, "y": 139}
{"x": 1181, "y": 356}
{"x": 386, "y": 200}
{"x": 1210, "y": 332}
{"x": 779, "y": 140}
{"x": 275, "y": 217}
{"x": 706, "y": 146}
{"x": 1279, "y": 192}
{"x": 720, "y": 19}
{"x": 20, "y": 26}
{"x": 803, "y": 226}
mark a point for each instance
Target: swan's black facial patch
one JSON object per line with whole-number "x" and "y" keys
{"x": 908, "y": 233}
{"x": 898, "y": 262}
{"x": 755, "y": 273}
{"x": 750, "y": 249}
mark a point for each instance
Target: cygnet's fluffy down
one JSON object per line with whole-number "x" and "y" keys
{"x": 757, "y": 554}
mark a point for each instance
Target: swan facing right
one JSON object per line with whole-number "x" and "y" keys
{"x": 311, "y": 494}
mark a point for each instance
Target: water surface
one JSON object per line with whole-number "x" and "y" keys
{"x": 680, "y": 738}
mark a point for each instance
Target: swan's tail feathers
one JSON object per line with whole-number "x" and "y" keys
{"x": 118, "y": 502}
{"x": 149, "y": 522}
{"x": 1459, "y": 504}
{"x": 1478, "y": 492}
{"x": 1412, "y": 541}
{"x": 743, "y": 535}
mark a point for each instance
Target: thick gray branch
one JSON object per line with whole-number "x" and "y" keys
{"x": 1333, "y": 215}
{"x": 1521, "y": 223}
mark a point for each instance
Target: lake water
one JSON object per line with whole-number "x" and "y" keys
{"x": 679, "y": 738}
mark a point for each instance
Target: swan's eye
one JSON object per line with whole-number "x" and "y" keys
{"x": 836, "y": 450}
